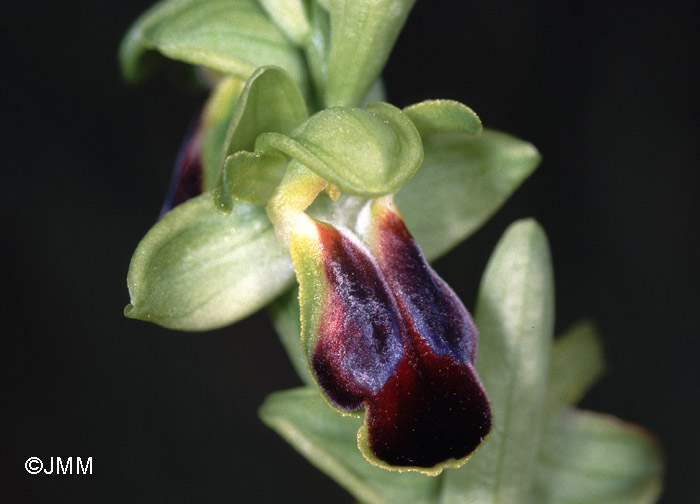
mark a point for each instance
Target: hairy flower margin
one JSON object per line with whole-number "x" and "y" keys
{"x": 295, "y": 168}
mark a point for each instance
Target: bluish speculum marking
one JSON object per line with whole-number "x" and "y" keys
{"x": 437, "y": 313}
{"x": 359, "y": 341}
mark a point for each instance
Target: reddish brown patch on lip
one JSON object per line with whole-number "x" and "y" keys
{"x": 433, "y": 409}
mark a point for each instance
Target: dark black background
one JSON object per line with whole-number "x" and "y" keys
{"x": 608, "y": 91}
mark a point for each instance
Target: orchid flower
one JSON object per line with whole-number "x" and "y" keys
{"x": 301, "y": 189}
{"x": 382, "y": 331}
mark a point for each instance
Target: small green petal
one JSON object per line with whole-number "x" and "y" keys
{"x": 443, "y": 116}
{"x": 364, "y": 152}
{"x": 467, "y": 179}
{"x": 231, "y": 36}
{"x": 589, "y": 458}
{"x": 515, "y": 317}
{"x": 197, "y": 269}
{"x": 577, "y": 363}
{"x": 329, "y": 441}
{"x": 249, "y": 176}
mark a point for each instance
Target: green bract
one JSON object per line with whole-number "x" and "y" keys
{"x": 296, "y": 123}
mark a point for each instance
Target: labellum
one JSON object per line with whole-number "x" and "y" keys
{"x": 383, "y": 332}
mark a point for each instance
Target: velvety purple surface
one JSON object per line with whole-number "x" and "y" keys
{"x": 398, "y": 341}
{"x": 359, "y": 342}
{"x": 433, "y": 308}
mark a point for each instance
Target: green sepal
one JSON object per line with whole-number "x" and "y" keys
{"x": 515, "y": 317}
{"x": 443, "y": 116}
{"x": 589, "y": 458}
{"x": 216, "y": 118}
{"x": 270, "y": 102}
{"x": 197, "y": 269}
{"x": 329, "y": 441}
{"x": 230, "y": 36}
{"x": 468, "y": 178}
{"x": 362, "y": 35}
{"x": 577, "y": 363}
{"x": 364, "y": 152}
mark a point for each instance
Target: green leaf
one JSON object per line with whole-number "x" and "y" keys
{"x": 364, "y": 152}
{"x": 577, "y": 363}
{"x": 363, "y": 33}
{"x": 231, "y": 36}
{"x": 329, "y": 441}
{"x": 270, "y": 102}
{"x": 197, "y": 269}
{"x": 589, "y": 458}
{"x": 443, "y": 116}
{"x": 515, "y": 317}
{"x": 286, "y": 317}
{"x": 290, "y": 17}
{"x": 463, "y": 180}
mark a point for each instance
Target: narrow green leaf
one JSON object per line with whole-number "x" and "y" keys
{"x": 364, "y": 152}
{"x": 577, "y": 363}
{"x": 231, "y": 36}
{"x": 286, "y": 318}
{"x": 589, "y": 458}
{"x": 197, "y": 269}
{"x": 515, "y": 317}
{"x": 329, "y": 441}
{"x": 443, "y": 116}
{"x": 290, "y": 17}
{"x": 463, "y": 180}
{"x": 363, "y": 33}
